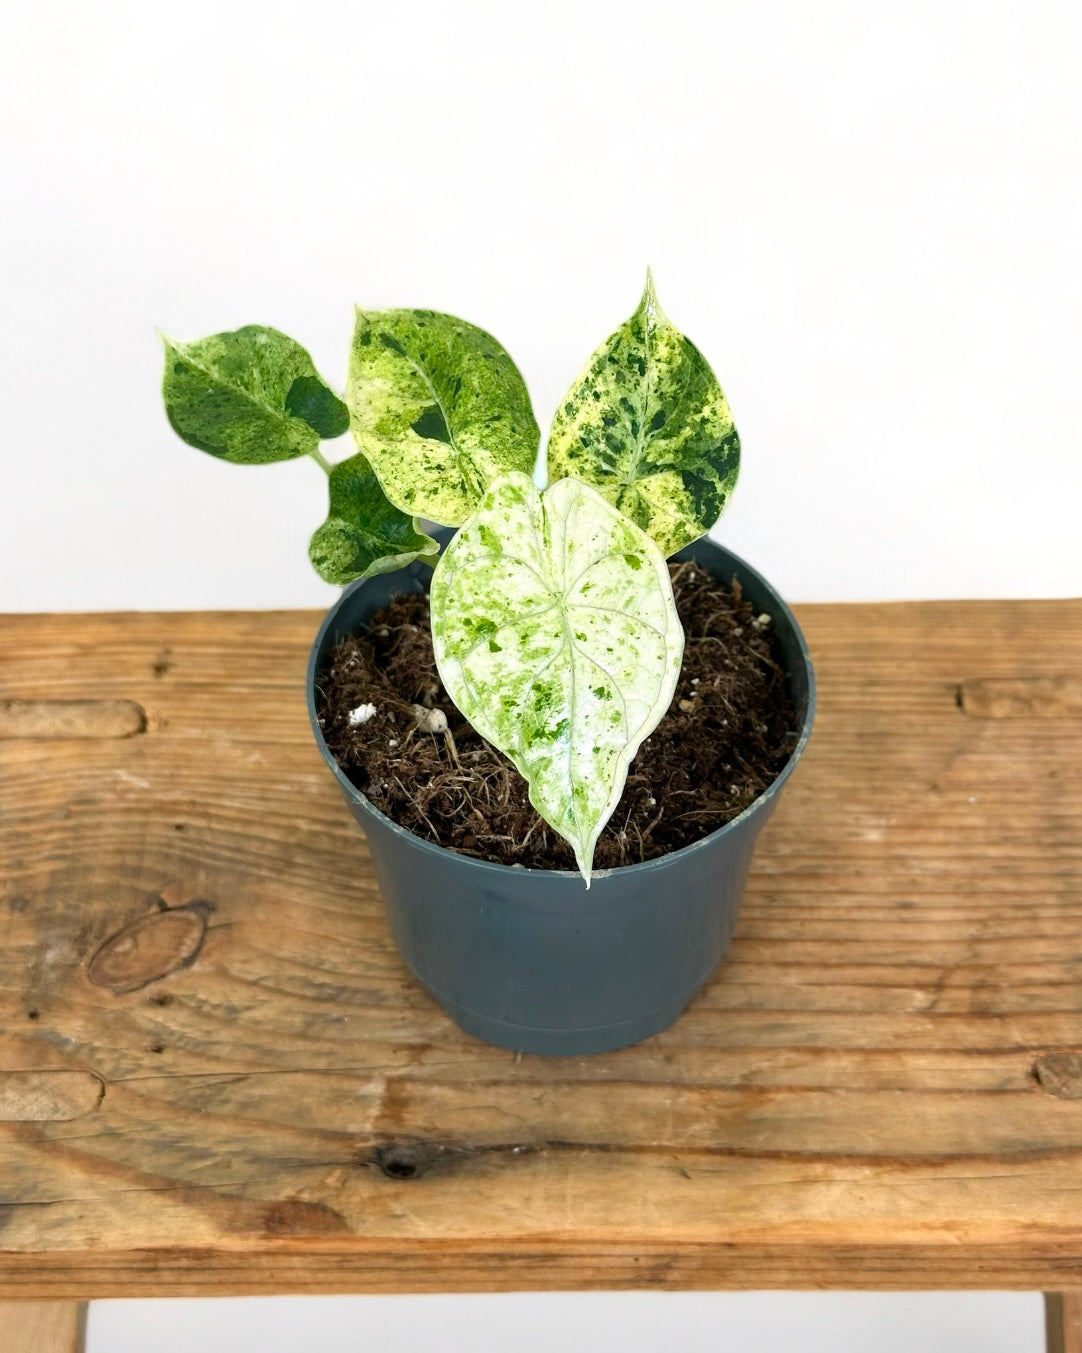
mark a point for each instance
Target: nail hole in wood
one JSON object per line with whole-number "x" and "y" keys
{"x": 402, "y": 1160}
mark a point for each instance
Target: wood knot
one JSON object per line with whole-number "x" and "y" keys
{"x": 71, "y": 719}
{"x": 149, "y": 949}
{"x": 1059, "y": 1074}
{"x": 52, "y": 1096}
{"x": 1044, "y": 697}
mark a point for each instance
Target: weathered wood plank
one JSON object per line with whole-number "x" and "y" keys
{"x": 879, "y": 1088}
{"x": 43, "y": 1326}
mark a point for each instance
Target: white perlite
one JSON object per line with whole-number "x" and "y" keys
{"x": 430, "y": 720}
{"x": 361, "y": 715}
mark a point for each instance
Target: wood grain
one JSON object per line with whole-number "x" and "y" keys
{"x": 881, "y": 1087}
{"x": 42, "y": 1326}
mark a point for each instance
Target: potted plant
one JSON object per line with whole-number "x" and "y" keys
{"x": 556, "y": 647}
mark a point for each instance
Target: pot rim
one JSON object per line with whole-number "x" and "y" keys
{"x": 659, "y": 861}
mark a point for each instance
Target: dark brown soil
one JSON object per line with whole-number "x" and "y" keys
{"x": 728, "y": 733}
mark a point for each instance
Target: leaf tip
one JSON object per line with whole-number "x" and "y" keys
{"x": 649, "y": 304}
{"x": 431, "y": 547}
{"x": 584, "y": 858}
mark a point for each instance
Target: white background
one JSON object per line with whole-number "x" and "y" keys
{"x": 868, "y": 218}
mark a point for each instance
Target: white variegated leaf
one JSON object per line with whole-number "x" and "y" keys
{"x": 557, "y": 636}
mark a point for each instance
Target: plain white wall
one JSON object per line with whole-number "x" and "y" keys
{"x": 867, "y": 218}
{"x": 580, "y": 1322}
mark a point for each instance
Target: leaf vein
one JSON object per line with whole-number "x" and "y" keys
{"x": 624, "y": 615}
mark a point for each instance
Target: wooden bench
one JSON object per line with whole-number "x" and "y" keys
{"x": 216, "y": 1076}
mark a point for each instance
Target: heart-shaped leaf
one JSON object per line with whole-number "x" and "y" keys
{"x": 439, "y": 408}
{"x": 250, "y": 396}
{"x": 647, "y": 425}
{"x": 364, "y": 534}
{"x": 556, "y": 634}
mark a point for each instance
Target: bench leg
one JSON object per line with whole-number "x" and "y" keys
{"x": 1063, "y": 1322}
{"x": 43, "y": 1326}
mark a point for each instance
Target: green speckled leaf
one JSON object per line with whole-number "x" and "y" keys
{"x": 647, "y": 425}
{"x": 250, "y": 396}
{"x": 364, "y": 534}
{"x": 556, "y": 635}
{"x": 439, "y": 408}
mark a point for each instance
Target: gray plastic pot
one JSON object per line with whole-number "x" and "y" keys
{"x": 527, "y": 958}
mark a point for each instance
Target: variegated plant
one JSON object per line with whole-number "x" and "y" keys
{"x": 553, "y": 619}
{"x": 647, "y": 425}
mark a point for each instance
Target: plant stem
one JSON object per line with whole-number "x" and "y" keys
{"x": 318, "y": 458}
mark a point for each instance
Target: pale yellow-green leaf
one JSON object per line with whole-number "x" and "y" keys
{"x": 556, "y": 635}
{"x": 438, "y": 408}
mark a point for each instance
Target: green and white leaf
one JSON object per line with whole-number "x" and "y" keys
{"x": 364, "y": 534}
{"x": 647, "y": 424}
{"x": 556, "y": 635}
{"x": 250, "y": 396}
{"x": 439, "y": 408}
